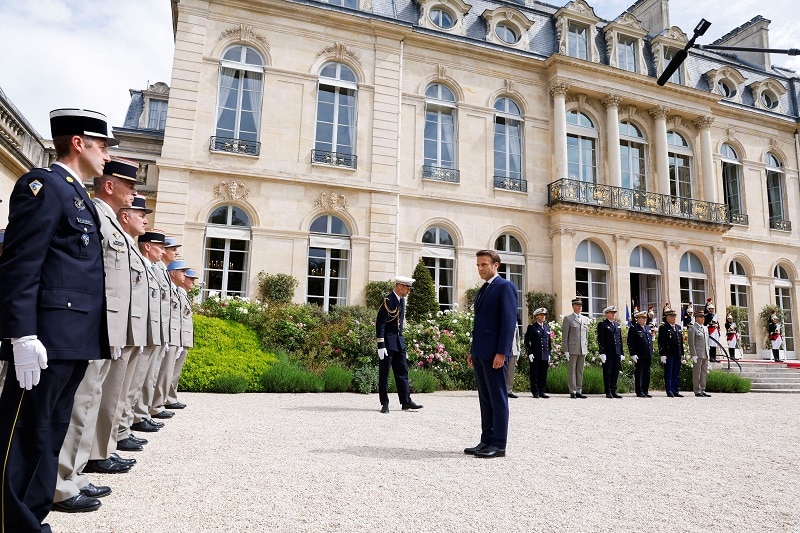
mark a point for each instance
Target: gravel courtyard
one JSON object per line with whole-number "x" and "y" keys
{"x": 332, "y": 462}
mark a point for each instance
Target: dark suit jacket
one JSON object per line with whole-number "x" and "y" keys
{"x": 538, "y": 342}
{"x": 51, "y": 270}
{"x": 640, "y": 341}
{"x": 388, "y": 324}
{"x": 670, "y": 342}
{"x": 495, "y": 320}
{"x": 609, "y": 338}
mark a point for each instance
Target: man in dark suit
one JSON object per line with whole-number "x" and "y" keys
{"x": 392, "y": 346}
{"x": 609, "y": 342}
{"x": 640, "y": 348}
{"x": 670, "y": 347}
{"x": 538, "y": 346}
{"x": 52, "y": 311}
{"x": 492, "y": 336}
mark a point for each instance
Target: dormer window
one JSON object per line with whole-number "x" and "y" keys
{"x": 443, "y": 15}
{"x": 725, "y": 82}
{"x": 577, "y": 40}
{"x": 726, "y": 88}
{"x": 507, "y": 26}
{"x": 665, "y": 45}
{"x": 506, "y": 33}
{"x": 626, "y": 54}
{"x": 442, "y": 18}
{"x": 767, "y": 93}
{"x": 576, "y": 24}
{"x": 625, "y": 43}
{"x": 157, "y": 114}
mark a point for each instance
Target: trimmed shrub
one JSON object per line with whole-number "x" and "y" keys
{"x": 337, "y": 379}
{"x": 721, "y": 381}
{"x": 557, "y": 380}
{"x": 366, "y": 379}
{"x": 376, "y": 291}
{"x": 223, "y": 348}
{"x": 537, "y": 299}
{"x": 230, "y": 384}
{"x": 422, "y": 300}
{"x": 276, "y": 289}
{"x": 287, "y": 376}
{"x": 421, "y": 381}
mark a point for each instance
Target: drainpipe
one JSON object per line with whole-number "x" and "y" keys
{"x": 397, "y": 162}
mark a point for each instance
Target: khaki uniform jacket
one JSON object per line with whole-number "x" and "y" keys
{"x": 575, "y": 334}
{"x": 154, "y": 305}
{"x": 140, "y": 294}
{"x": 164, "y": 299}
{"x": 187, "y": 324}
{"x": 698, "y": 341}
{"x": 174, "y": 316}
{"x": 116, "y": 263}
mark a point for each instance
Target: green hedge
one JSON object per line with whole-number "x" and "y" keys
{"x": 722, "y": 381}
{"x": 226, "y": 357}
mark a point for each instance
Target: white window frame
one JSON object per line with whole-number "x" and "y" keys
{"x": 339, "y": 86}
{"x": 582, "y": 134}
{"x": 510, "y": 120}
{"x": 227, "y": 232}
{"x": 327, "y": 242}
{"x": 243, "y": 67}
{"x": 440, "y": 107}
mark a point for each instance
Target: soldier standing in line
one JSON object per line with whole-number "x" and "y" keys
{"x": 538, "y": 346}
{"x": 609, "y": 341}
{"x": 640, "y": 348}
{"x": 575, "y": 340}
{"x": 698, "y": 348}
{"x": 670, "y": 347}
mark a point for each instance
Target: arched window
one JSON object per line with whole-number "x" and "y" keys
{"x": 679, "y": 156}
{"x": 732, "y": 184}
{"x": 775, "y": 194}
{"x": 783, "y": 299}
{"x": 335, "y": 142}
{"x": 591, "y": 277}
{"x": 581, "y": 147}
{"x": 740, "y": 297}
{"x": 645, "y": 279}
{"x": 632, "y": 150}
{"x": 693, "y": 281}
{"x": 328, "y": 262}
{"x": 241, "y": 78}
{"x": 512, "y": 268}
{"x": 508, "y": 145}
{"x": 439, "y": 256}
{"x": 440, "y": 127}
{"x": 227, "y": 251}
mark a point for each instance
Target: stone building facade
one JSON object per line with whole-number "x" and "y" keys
{"x": 343, "y": 141}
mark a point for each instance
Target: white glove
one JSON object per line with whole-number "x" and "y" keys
{"x": 116, "y": 352}
{"x": 663, "y": 359}
{"x": 635, "y": 358}
{"x": 166, "y": 347}
{"x": 518, "y": 357}
{"x": 566, "y": 354}
{"x": 30, "y": 358}
{"x": 178, "y": 352}
{"x": 694, "y": 359}
{"x": 603, "y": 358}
{"x": 621, "y": 357}
{"x": 382, "y": 353}
{"x": 530, "y": 356}
{"x": 141, "y": 350}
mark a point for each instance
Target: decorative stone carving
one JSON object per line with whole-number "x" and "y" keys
{"x": 659, "y": 112}
{"x": 232, "y": 190}
{"x": 561, "y": 231}
{"x": 674, "y": 244}
{"x": 623, "y": 238}
{"x": 340, "y": 51}
{"x": 611, "y": 100}
{"x": 719, "y": 249}
{"x": 141, "y": 174}
{"x": 331, "y": 202}
{"x": 245, "y": 34}
{"x": 558, "y": 88}
{"x": 441, "y": 71}
{"x": 509, "y": 85}
{"x": 704, "y": 122}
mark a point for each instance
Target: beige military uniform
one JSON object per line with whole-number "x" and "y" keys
{"x": 187, "y": 341}
{"x": 164, "y": 381}
{"x": 575, "y": 340}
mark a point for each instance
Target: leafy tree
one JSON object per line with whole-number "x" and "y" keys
{"x": 376, "y": 291}
{"x": 276, "y": 288}
{"x": 422, "y": 299}
{"x": 536, "y": 299}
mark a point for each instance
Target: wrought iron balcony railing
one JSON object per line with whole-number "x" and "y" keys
{"x": 441, "y": 174}
{"x": 235, "y": 146}
{"x": 510, "y": 184}
{"x": 594, "y": 194}
{"x": 337, "y": 159}
{"x": 779, "y": 223}
{"x": 738, "y": 218}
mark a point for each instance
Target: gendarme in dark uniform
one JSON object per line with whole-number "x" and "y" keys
{"x": 670, "y": 348}
{"x": 52, "y": 312}
{"x": 640, "y": 348}
{"x": 609, "y": 343}
{"x": 538, "y": 346}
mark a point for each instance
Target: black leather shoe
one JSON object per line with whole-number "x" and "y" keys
{"x": 145, "y": 426}
{"x": 479, "y": 448}
{"x": 572, "y": 395}
{"x": 92, "y": 491}
{"x": 640, "y": 395}
{"x": 384, "y": 408}
{"x": 155, "y": 423}
{"x": 129, "y": 445}
{"x": 176, "y": 405}
{"x": 647, "y": 395}
{"x": 678, "y": 395}
{"x": 491, "y": 452}
{"x": 106, "y": 466}
{"x": 615, "y": 395}
{"x": 535, "y": 394}
{"x": 543, "y": 395}
{"x": 164, "y": 415}
{"x": 137, "y": 440}
{"x": 122, "y": 460}
{"x": 512, "y": 395}
{"x": 670, "y": 395}
{"x": 704, "y": 393}
{"x": 77, "y": 504}
{"x": 581, "y": 396}
{"x": 411, "y": 405}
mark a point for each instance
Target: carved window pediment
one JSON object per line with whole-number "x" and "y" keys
{"x": 767, "y": 93}
{"x": 576, "y": 26}
{"x": 725, "y": 81}
{"x": 503, "y": 22}
{"x": 580, "y": 11}
{"x": 443, "y": 15}
{"x": 665, "y": 46}
{"x": 625, "y": 39}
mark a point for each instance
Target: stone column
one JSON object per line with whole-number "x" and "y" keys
{"x": 659, "y": 114}
{"x": 558, "y": 90}
{"x": 707, "y": 158}
{"x": 621, "y": 277}
{"x": 563, "y": 242}
{"x": 612, "y": 102}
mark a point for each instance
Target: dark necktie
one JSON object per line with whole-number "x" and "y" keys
{"x": 480, "y": 292}
{"x": 402, "y": 314}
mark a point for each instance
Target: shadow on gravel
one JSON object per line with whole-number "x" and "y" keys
{"x": 384, "y": 452}
{"x": 329, "y": 409}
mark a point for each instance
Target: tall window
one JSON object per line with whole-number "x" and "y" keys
{"x": 693, "y": 281}
{"x": 645, "y": 279}
{"x": 440, "y": 127}
{"x": 732, "y": 182}
{"x": 677, "y": 76}
{"x": 328, "y": 262}
{"x": 336, "y": 115}
{"x": 680, "y": 165}
{"x": 775, "y": 202}
{"x": 783, "y": 299}
{"x": 577, "y": 41}
{"x": 157, "y": 115}
{"x": 512, "y": 268}
{"x": 591, "y": 277}
{"x": 626, "y": 53}
{"x": 241, "y": 77}
{"x": 581, "y": 147}
{"x": 632, "y": 150}
{"x": 439, "y": 256}
{"x": 740, "y": 297}
{"x": 507, "y": 139}
{"x": 227, "y": 251}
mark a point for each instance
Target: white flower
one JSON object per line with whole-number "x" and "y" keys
{"x": 213, "y": 294}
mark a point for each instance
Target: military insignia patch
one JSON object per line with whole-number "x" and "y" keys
{"x": 80, "y": 205}
{"x": 85, "y": 240}
{"x": 35, "y": 186}
{"x": 69, "y": 179}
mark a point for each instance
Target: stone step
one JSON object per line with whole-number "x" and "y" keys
{"x": 776, "y": 391}
{"x": 778, "y": 385}
{"x": 772, "y": 379}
